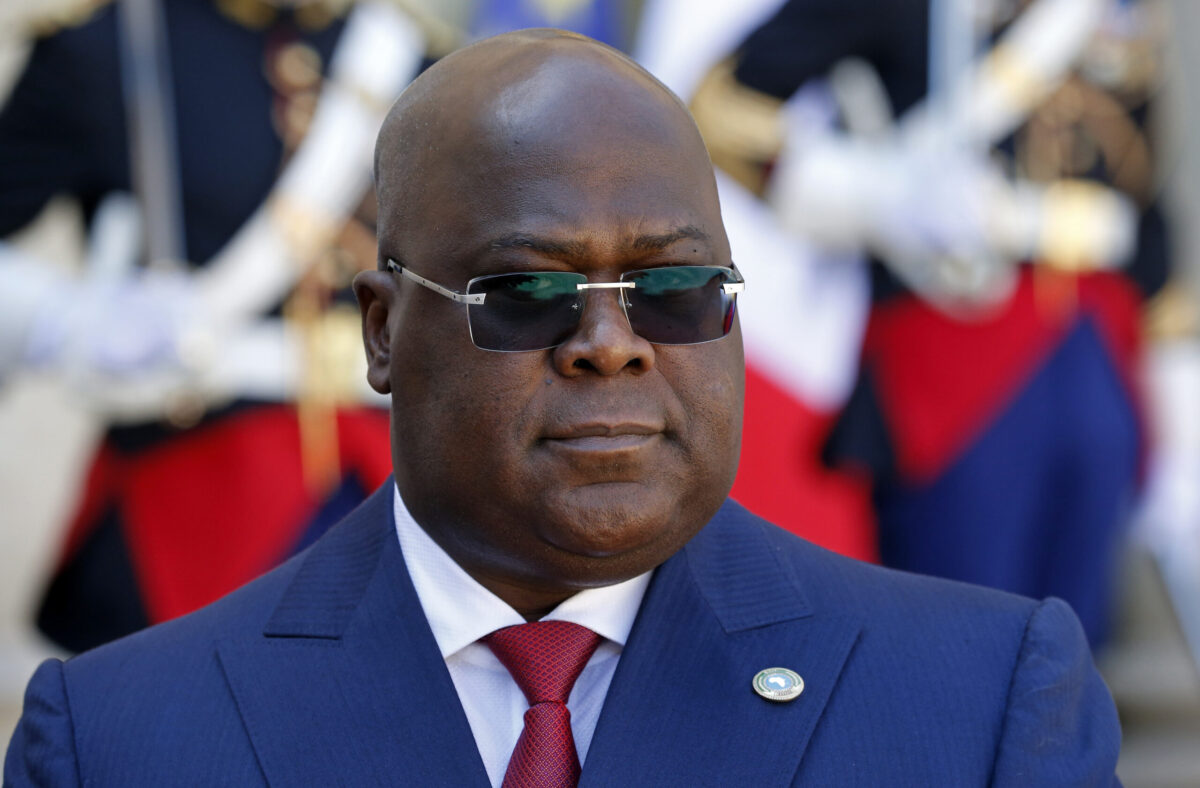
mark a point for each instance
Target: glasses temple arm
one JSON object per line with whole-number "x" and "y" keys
{"x": 462, "y": 298}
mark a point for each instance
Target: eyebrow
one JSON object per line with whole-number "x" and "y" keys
{"x": 656, "y": 243}
{"x": 541, "y": 245}
{"x": 552, "y": 248}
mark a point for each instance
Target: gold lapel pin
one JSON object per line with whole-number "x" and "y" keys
{"x": 778, "y": 684}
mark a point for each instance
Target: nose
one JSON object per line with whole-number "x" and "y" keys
{"x": 603, "y": 343}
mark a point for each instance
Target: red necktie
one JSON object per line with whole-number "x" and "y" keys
{"x": 545, "y": 658}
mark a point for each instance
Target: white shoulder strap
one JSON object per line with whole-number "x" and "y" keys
{"x": 1024, "y": 67}
{"x": 378, "y": 54}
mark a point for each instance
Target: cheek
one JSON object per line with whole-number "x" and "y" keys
{"x": 717, "y": 415}
{"x": 711, "y": 388}
{"x": 708, "y": 388}
{"x": 464, "y": 409}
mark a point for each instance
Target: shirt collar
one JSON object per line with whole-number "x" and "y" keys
{"x": 461, "y": 611}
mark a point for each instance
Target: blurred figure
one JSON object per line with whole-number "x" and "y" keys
{"x": 995, "y": 407}
{"x": 221, "y": 152}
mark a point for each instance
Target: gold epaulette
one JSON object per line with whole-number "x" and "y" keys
{"x": 260, "y": 14}
{"x": 442, "y": 28}
{"x": 1174, "y": 313}
{"x": 741, "y": 126}
{"x": 47, "y": 17}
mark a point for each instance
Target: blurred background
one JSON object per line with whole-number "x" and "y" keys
{"x": 972, "y": 319}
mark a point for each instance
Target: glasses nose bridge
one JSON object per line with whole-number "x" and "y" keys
{"x": 597, "y": 301}
{"x": 619, "y": 287}
{"x": 603, "y": 339}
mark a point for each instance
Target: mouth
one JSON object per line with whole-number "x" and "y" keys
{"x": 605, "y": 437}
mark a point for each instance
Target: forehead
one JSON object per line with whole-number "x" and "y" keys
{"x": 593, "y": 166}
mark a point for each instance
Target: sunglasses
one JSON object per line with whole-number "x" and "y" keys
{"x": 670, "y": 305}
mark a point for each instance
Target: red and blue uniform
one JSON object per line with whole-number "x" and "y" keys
{"x": 1003, "y": 451}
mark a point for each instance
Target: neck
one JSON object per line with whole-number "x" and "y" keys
{"x": 531, "y": 604}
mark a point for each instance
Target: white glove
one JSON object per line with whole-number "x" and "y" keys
{"x": 925, "y": 213}
{"x": 113, "y": 329}
{"x": 946, "y": 220}
{"x": 39, "y": 301}
{"x": 934, "y": 225}
{"x": 126, "y": 339}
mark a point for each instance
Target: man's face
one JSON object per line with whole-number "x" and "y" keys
{"x": 585, "y": 464}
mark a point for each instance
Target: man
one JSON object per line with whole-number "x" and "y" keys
{"x": 562, "y": 450}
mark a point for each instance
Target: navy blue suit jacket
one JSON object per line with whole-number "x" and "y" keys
{"x": 325, "y": 672}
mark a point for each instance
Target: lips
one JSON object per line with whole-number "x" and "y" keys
{"x": 605, "y": 436}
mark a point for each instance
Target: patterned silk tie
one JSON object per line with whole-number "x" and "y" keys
{"x": 545, "y": 658}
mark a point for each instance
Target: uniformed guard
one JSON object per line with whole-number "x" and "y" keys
{"x": 995, "y": 405}
{"x": 221, "y": 151}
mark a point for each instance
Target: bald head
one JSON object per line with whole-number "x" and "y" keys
{"x": 526, "y": 94}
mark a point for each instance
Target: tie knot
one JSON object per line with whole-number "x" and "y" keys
{"x": 544, "y": 657}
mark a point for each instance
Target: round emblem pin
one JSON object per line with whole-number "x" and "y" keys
{"x": 778, "y": 684}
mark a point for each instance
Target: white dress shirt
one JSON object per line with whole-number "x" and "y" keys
{"x": 461, "y": 611}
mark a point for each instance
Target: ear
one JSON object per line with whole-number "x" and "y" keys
{"x": 375, "y": 291}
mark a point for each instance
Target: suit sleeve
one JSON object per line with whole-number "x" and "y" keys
{"x": 1060, "y": 724}
{"x": 42, "y": 750}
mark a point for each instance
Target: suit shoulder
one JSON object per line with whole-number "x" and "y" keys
{"x": 245, "y": 610}
{"x": 149, "y": 689}
{"x": 877, "y": 594}
{"x": 165, "y": 690}
{"x": 338, "y": 563}
{"x": 1003, "y": 682}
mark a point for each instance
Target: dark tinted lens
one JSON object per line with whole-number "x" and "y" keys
{"x": 525, "y": 311}
{"x": 680, "y": 305}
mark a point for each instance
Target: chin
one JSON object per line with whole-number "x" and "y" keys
{"x": 615, "y": 519}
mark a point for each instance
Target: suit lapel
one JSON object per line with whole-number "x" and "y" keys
{"x": 346, "y": 685}
{"x": 681, "y": 709}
